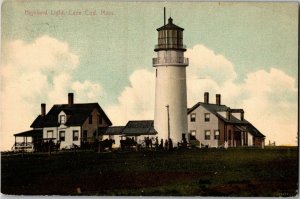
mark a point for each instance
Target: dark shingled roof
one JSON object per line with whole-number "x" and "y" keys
{"x": 113, "y": 130}
{"x": 215, "y": 108}
{"x": 254, "y": 131}
{"x": 30, "y": 133}
{"x": 140, "y": 127}
{"x": 211, "y": 107}
{"x": 77, "y": 113}
{"x": 169, "y": 26}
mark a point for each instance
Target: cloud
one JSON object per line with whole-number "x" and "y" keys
{"x": 136, "y": 101}
{"x": 45, "y": 53}
{"x": 87, "y": 89}
{"x": 210, "y": 64}
{"x": 211, "y": 72}
{"x": 271, "y": 104}
{"x": 36, "y": 72}
{"x": 269, "y": 98}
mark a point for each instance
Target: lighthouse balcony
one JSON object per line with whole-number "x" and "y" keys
{"x": 180, "y": 47}
{"x": 180, "y": 61}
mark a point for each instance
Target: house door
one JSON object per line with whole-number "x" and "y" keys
{"x": 238, "y": 138}
{"x": 183, "y": 136}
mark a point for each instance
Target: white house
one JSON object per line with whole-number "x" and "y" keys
{"x": 71, "y": 124}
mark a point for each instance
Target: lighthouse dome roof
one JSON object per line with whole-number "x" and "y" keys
{"x": 170, "y": 26}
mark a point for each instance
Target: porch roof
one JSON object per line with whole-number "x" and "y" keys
{"x": 240, "y": 128}
{"x": 139, "y": 127}
{"x": 113, "y": 130}
{"x": 30, "y": 133}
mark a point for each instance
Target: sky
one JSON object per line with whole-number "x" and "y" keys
{"x": 102, "y": 51}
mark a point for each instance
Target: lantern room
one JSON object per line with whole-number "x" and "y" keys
{"x": 170, "y": 37}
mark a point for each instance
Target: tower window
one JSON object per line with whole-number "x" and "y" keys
{"x": 193, "y": 117}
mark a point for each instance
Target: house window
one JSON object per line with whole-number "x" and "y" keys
{"x": 62, "y": 119}
{"x": 62, "y": 135}
{"x": 193, "y": 117}
{"x": 90, "y": 119}
{"x": 206, "y": 117}
{"x": 50, "y": 134}
{"x": 193, "y": 135}
{"x": 229, "y": 134}
{"x": 207, "y": 135}
{"x": 84, "y": 135}
{"x": 99, "y": 119}
{"x": 75, "y": 135}
{"x": 217, "y": 135}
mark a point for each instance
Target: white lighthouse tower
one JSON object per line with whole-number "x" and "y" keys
{"x": 170, "y": 119}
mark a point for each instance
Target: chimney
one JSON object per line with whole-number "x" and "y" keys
{"x": 43, "y": 109}
{"x": 218, "y": 99}
{"x": 206, "y": 97}
{"x": 242, "y": 115}
{"x": 70, "y": 98}
{"x": 228, "y": 113}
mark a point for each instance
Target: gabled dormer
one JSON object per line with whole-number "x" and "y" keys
{"x": 62, "y": 118}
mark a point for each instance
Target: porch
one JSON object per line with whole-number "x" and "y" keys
{"x": 24, "y": 141}
{"x": 238, "y": 137}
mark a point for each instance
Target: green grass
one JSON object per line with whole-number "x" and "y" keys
{"x": 203, "y": 172}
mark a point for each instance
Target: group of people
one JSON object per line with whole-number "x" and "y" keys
{"x": 150, "y": 143}
{"x": 162, "y": 145}
{"x": 45, "y": 145}
{"x": 127, "y": 143}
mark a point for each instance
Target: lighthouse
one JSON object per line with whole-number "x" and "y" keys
{"x": 170, "y": 113}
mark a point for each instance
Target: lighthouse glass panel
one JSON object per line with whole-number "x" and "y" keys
{"x": 179, "y": 38}
{"x": 170, "y": 39}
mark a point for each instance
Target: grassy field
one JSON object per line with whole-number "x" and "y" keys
{"x": 198, "y": 172}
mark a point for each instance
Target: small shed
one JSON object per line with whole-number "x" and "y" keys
{"x": 138, "y": 128}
